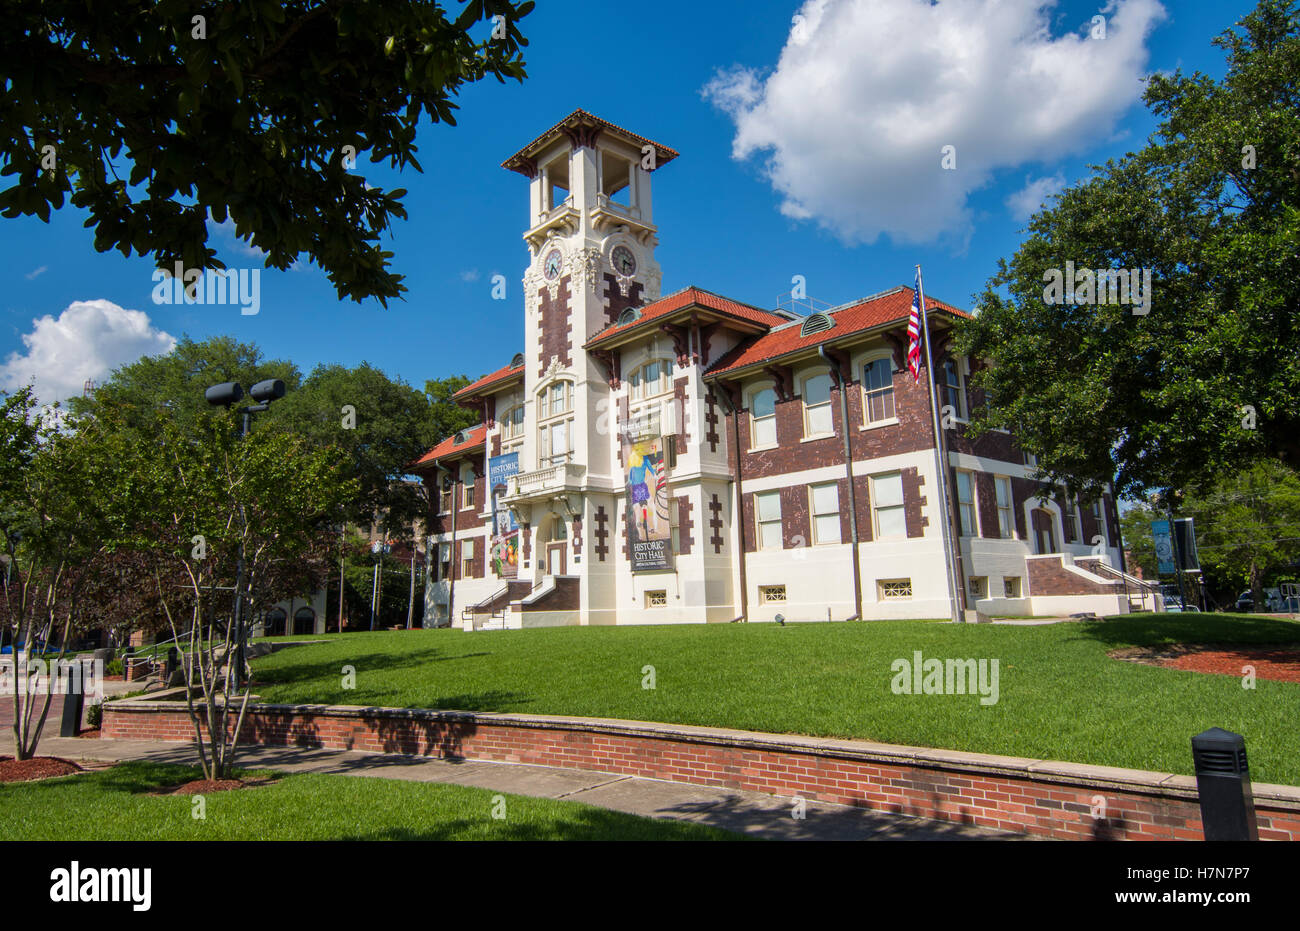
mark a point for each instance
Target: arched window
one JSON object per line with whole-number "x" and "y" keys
{"x": 304, "y": 621}
{"x": 817, "y": 419}
{"x": 555, "y": 423}
{"x": 762, "y": 417}
{"x": 650, "y": 380}
{"x": 273, "y": 623}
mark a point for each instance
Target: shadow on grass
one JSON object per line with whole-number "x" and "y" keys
{"x": 1164, "y": 629}
{"x": 280, "y": 673}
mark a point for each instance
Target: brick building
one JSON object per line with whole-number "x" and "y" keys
{"x": 686, "y": 457}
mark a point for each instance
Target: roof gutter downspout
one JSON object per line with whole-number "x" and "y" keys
{"x": 739, "y": 519}
{"x": 841, "y": 383}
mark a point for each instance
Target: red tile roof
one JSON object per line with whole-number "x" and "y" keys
{"x": 521, "y": 160}
{"x": 685, "y": 298}
{"x": 477, "y": 436}
{"x": 869, "y": 313}
{"x": 501, "y": 374}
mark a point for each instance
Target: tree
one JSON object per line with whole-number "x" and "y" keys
{"x": 1206, "y": 378}
{"x": 199, "y": 503}
{"x": 1248, "y": 525}
{"x": 164, "y": 114}
{"x": 171, "y": 385}
{"x": 52, "y": 524}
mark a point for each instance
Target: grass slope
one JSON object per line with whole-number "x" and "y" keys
{"x": 1060, "y": 698}
{"x": 114, "y": 804}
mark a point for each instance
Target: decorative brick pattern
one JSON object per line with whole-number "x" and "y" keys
{"x": 684, "y": 415}
{"x": 711, "y": 421}
{"x": 602, "y": 533}
{"x": 913, "y": 501}
{"x": 577, "y": 536}
{"x": 614, "y": 301}
{"x": 555, "y": 328}
{"x": 685, "y": 525}
{"x": 1024, "y": 796}
{"x": 715, "y": 523}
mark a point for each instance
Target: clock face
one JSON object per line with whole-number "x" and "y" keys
{"x": 552, "y": 265}
{"x": 624, "y": 261}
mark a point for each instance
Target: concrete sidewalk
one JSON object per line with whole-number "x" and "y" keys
{"x": 753, "y": 813}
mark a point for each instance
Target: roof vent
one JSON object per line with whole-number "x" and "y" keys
{"x": 461, "y": 437}
{"x": 631, "y": 315}
{"x": 517, "y": 361}
{"x": 815, "y": 323}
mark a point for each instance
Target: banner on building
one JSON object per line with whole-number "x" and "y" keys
{"x": 505, "y": 532}
{"x": 649, "y": 524}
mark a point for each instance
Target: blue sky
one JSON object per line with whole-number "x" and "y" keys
{"x": 822, "y": 191}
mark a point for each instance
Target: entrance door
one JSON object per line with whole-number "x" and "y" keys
{"x": 555, "y": 558}
{"x": 1044, "y": 532}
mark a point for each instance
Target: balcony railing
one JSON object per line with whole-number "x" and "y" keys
{"x": 552, "y": 478}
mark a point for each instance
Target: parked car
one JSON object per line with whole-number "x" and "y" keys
{"x": 1245, "y": 602}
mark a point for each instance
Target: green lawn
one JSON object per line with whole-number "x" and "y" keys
{"x": 1060, "y": 697}
{"x": 114, "y": 804}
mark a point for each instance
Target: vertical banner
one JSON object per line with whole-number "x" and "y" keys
{"x": 649, "y": 526}
{"x": 1164, "y": 546}
{"x": 1189, "y": 559}
{"x": 505, "y": 532}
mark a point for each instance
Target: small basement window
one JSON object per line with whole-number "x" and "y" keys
{"x": 895, "y": 589}
{"x": 979, "y": 586}
{"x": 771, "y": 594}
{"x": 1011, "y": 586}
{"x": 657, "y": 598}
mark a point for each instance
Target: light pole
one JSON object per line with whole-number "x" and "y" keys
{"x": 227, "y": 394}
{"x": 378, "y": 548}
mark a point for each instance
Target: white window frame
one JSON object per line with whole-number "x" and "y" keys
{"x": 1099, "y": 515}
{"x": 814, "y": 514}
{"x": 958, "y": 369}
{"x": 971, "y": 528}
{"x": 468, "y": 481}
{"x": 548, "y": 420}
{"x": 760, "y": 521}
{"x": 638, "y": 387}
{"x": 1006, "y": 512}
{"x": 510, "y": 429}
{"x": 886, "y": 356}
{"x": 754, "y": 420}
{"x": 808, "y": 431}
{"x": 467, "y": 558}
{"x": 876, "y": 508}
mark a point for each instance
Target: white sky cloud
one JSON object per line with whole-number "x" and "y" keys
{"x": 88, "y": 340}
{"x": 850, "y": 124}
{"x": 1025, "y": 202}
{"x": 36, "y": 272}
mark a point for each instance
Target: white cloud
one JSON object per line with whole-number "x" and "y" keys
{"x": 88, "y": 340}
{"x": 37, "y": 271}
{"x": 1025, "y": 202}
{"x": 851, "y": 122}
{"x": 469, "y": 275}
{"x": 226, "y": 232}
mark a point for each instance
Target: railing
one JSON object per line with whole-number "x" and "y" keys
{"x": 553, "y": 476}
{"x": 467, "y": 613}
{"x": 1144, "y": 588}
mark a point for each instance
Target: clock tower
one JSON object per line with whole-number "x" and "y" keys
{"x": 591, "y": 239}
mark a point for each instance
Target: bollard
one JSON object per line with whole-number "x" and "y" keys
{"x": 74, "y": 700}
{"x": 1223, "y": 784}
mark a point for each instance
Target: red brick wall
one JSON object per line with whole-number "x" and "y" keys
{"x": 614, "y": 301}
{"x": 1048, "y": 576}
{"x": 555, "y": 328}
{"x": 992, "y": 792}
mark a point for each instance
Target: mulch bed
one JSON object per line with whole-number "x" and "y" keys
{"x": 40, "y": 767}
{"x": 208, "y": 786}
{"x": 91, "y": 733}
{"x": 1279, "y": 662}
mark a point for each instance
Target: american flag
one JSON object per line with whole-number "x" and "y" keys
{"x": 914, "y": 332}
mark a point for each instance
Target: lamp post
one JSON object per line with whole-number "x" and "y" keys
{"x": 378, "y": 548}
{"x": 226, "y": 395}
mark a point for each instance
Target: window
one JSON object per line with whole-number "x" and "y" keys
{"x": 953, "y": 394}
{"x": 887, "y": 493}
{"x": 771, "y": 594}
{"x": 444, "y": 498}
{"x": 650, "y": 380}
{"x": 467, "y": 480}
{"x": 1070, "y": 520}
{"x": 512, "y": 423}
{"x": 1002, "y": 491}
{"x": 763, "y": 418}
{"x": 1099, "y": 516}
{"x": 966, "y": 503}
{"x": 657, "y": 599}
{"x": 467, "y": 559}
{"x": 443, "y": 568}
{"x": 878, "y": 390}
{"x": 1011, "y": 586}
{"x": 817, "y": 420}
{"x": 674, "y": 528}
{"x": 825, "y": 513}
{"x": 767, "y": 511}
{"x": 554, "y": 432}
{"x": 894, "y": 589}
{"x": 979, "y": 586}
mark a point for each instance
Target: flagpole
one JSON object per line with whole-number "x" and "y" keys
{"x": 941, "y": 465}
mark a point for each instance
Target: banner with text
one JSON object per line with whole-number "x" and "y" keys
{"x": 505, "y": 532}
{"x": 649, "y": 526}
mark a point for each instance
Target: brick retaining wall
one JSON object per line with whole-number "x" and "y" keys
{"x": 1038, "y": 797}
